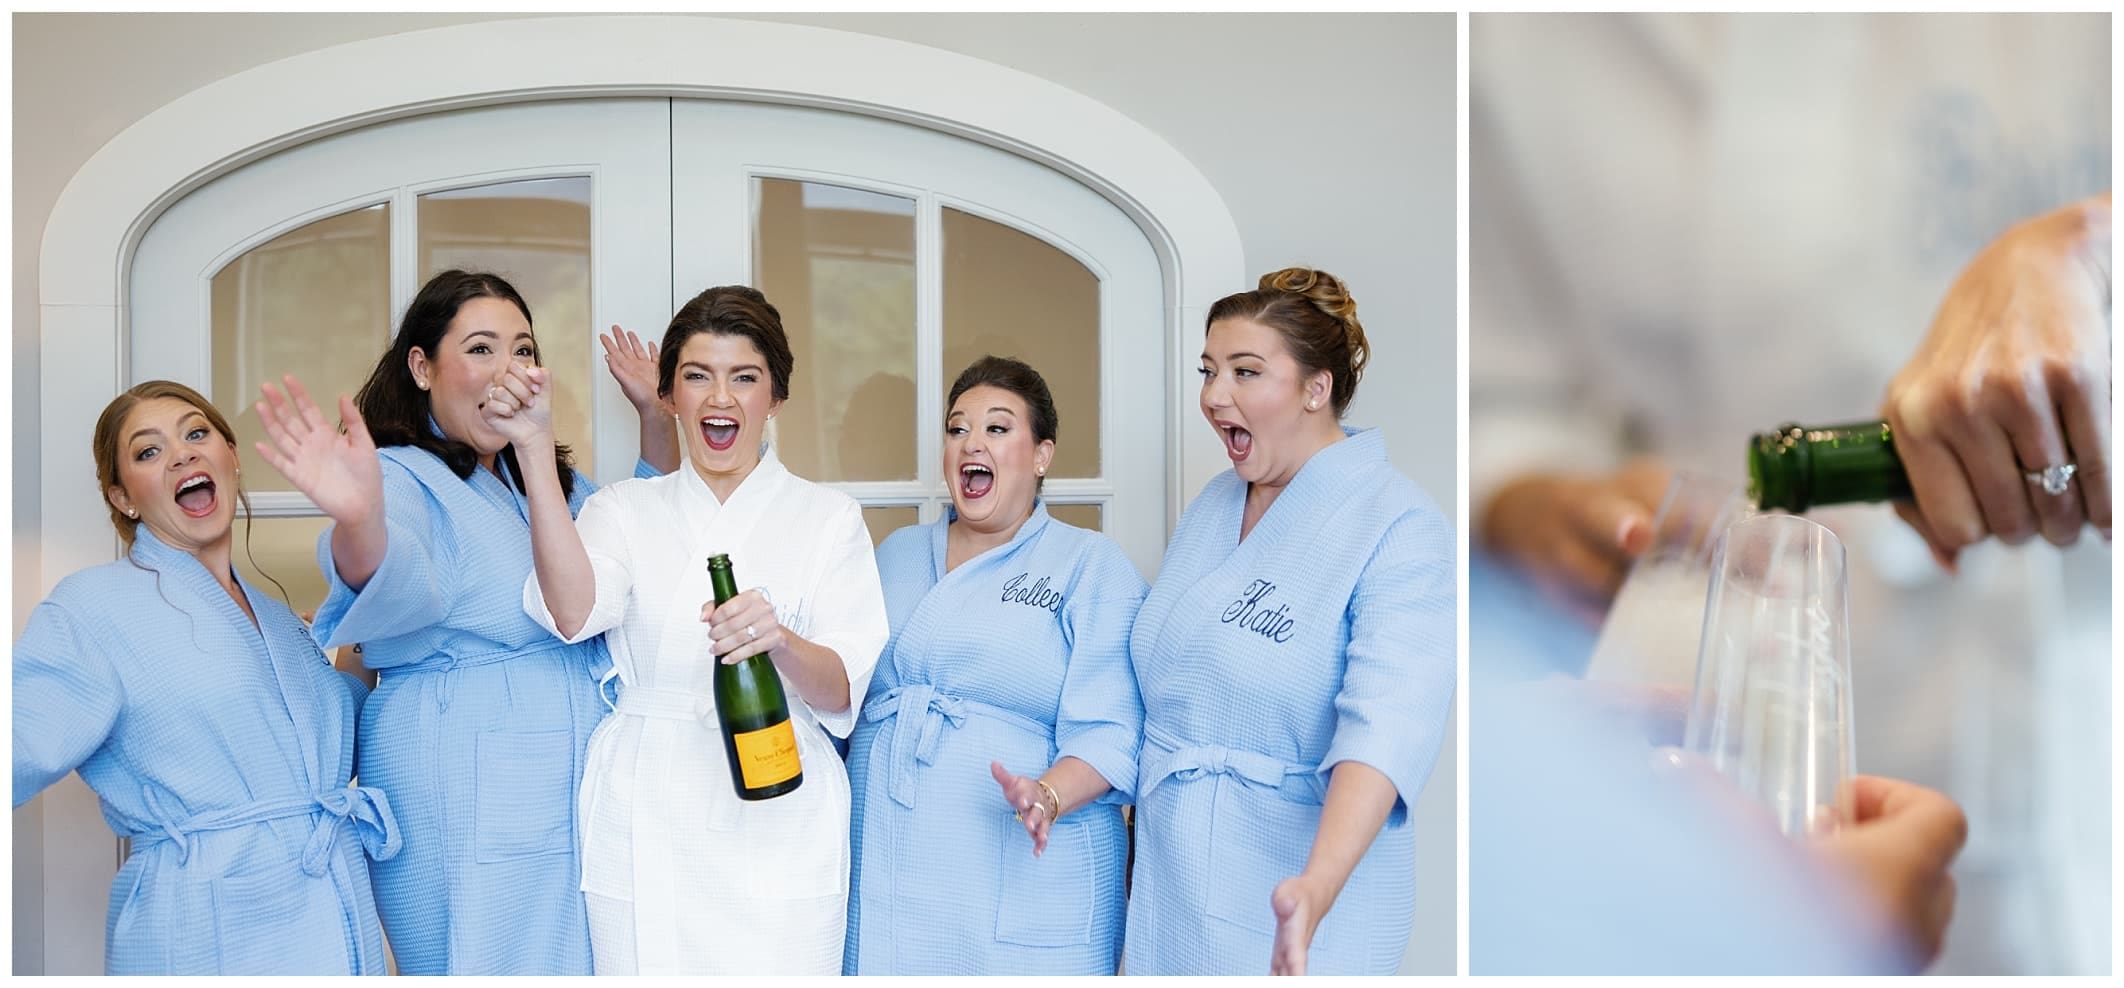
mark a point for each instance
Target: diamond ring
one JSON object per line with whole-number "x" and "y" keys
{"x": 750, "y": 634}
{"x": 2054, "y": 479}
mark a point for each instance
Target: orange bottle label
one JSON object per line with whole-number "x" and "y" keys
{"x": 768, "y": 756}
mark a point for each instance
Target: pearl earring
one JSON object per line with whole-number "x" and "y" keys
{"x": 130, "y": 513}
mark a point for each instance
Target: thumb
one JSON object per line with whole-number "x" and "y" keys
{"x": 1611, "y": 520}
{"x": 1003, "y": 776}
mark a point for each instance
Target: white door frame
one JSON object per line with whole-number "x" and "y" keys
{"x": 110, "y": 202}
{"x": 101, "y": 214}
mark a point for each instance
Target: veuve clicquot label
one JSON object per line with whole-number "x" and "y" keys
{"x": 758, "y": 737}
{"x": 1798, "y": 468}
{"x": 767, "y": 756}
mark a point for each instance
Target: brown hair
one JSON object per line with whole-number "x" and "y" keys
{"x": 398, "y": 412}
{"x": 1018, "y": 378}
{"x": 109, "y": 450}
{"x": 1317, "y": 318}
{"x": 729, "y": 310}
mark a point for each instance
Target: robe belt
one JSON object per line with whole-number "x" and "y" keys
{"x": 450, "y": 661}
{"x": 1165, "y": 758}
{"x": 922, "y": 713}
{"x": 362, "y": 809}
{"x": 641, "y": 701}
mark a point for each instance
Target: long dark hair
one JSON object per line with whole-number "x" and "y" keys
{"x": 398, "y": 411}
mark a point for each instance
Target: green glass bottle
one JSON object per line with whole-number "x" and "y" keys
{"x": 1798, "y": 468}
{"x": 757, "y": 733}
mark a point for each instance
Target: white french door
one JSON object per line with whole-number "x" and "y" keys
{"x": 896, "y": 254}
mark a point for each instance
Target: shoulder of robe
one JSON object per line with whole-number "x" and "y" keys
{"x": 95, "y": 585}
{"x": 808, "y": 496}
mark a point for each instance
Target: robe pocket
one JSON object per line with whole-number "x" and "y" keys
{"x": 280, "y": 922}
{"x": 796, "y": 844}
{"x": 1046, "y": 901}
{"x": 1257, "y": 839}
{"x": 523, "y": 795}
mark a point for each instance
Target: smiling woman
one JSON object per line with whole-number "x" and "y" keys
{"x": 1009, "y": 648}
{"x": 199, "y": 710}
{"x": 682, "y": 876}
{"x": 478, "y": 728}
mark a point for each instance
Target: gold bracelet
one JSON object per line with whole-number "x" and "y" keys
{"x": 1054, "y": 813}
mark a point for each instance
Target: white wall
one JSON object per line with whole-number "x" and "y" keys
{"x": 1329, "y": 137}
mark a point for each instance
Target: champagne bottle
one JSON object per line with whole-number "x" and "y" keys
{"x": 757, "y": 733}
{"x": 1799, "y": 467}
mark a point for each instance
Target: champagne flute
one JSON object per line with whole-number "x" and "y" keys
{"x": 1772, "y": 705}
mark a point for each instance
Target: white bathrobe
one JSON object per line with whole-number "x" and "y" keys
{"x": 682, "y": 876}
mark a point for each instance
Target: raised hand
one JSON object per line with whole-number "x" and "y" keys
{"x": 338, "y": 470}
{"x": 519, "y": 406}
{"x": 633, "y": 365}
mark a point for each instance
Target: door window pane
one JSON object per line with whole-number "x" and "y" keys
{"x": 286, "y": 550}
{"x": 314, "y": 302}
{"x": 1080, "y": 515}
{"x": 1012, "y": 294}
{"x": 885, "y": 521}
{"x": 536, "y": 235}
{"x": 838, "y": 264}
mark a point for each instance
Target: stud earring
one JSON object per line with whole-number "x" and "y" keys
{"x": 130, "y": 513}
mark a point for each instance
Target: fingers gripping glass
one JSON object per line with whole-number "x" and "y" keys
{"x": 1772, "y": 705}
{"x": 1649, "y": 637}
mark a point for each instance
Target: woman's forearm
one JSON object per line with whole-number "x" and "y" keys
{"x": 1075, "y": 783}
{"x": 1359, "y": 798}
{"x": 565, "y": 578}
{"x": 815, "y": 670}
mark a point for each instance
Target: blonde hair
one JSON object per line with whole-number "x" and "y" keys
{"x": 108, "y": 445}
{"x": 1314, "y": 313}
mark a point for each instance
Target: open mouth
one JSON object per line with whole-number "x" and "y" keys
{"x": 720, "y": 432}
{"x": 196, "y": 495}
{"x": 1237, "y": 441}
{"x": 975, "y": 481}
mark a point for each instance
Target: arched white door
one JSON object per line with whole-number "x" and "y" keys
{"x": 896, "y": 254}
{"x": 954, "y": 250}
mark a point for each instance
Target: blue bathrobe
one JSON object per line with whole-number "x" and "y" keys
{"x": 1328, "y": 635}
{"x": 476, "y": 730}
{"x": 1020, "y": 655}
{"x": 223, "y": 750}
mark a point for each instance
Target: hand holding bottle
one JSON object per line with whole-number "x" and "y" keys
{"x": 2013, "y": 378}
{"x": 1579, "y": 531}
{"x": 744, "y": 626}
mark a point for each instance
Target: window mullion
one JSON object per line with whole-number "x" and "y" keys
{"x": 929, "y": 348}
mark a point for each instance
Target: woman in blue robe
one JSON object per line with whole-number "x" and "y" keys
{"x": 215, "y": 733}
{"x": 479, "y": 721}
{"x": 1008, "y": 655}
{"x": 1296, "y": 662}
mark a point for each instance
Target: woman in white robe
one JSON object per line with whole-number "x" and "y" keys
{"x": 682, "y": 876}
